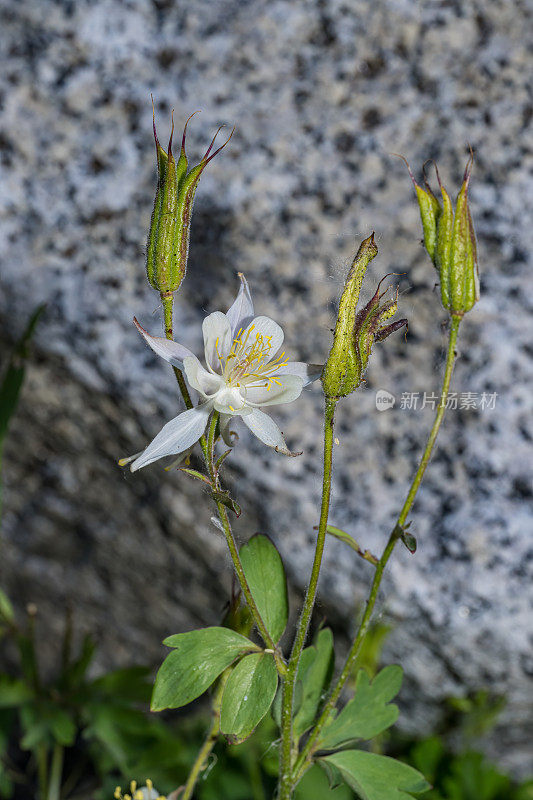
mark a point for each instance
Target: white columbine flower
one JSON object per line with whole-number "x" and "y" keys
{"x": 245, "y": 372}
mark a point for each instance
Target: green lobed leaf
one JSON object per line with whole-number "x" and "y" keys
{"x": 314, "y": 672}
{"x": 314, "y": 786}
{"x": 200, "y": 657}
{"x": 38, "y": 734}
{"x": 265, "y": 574}
{"x": 376, "y": 777}
{"x": 369, "y": 712}
{"x": 248, "y": 695}
{"x": 45, "y": 721}
{"x": 62, "y": 726}
{"x": 13, "y": 692}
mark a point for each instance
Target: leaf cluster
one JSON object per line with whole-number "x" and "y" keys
{"x": 99, "y": 722}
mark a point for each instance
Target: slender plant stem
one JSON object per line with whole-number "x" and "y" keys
{"x": 167, "y": 300}
{"x": 450, "y": 361}
{"x": 56, "y": 772}
{"x": 41, "y": 756}
{"x": 210, "y": 740}
{"x": 234, "y": 551}
{"x": 304, "y": 759}
{"x": 285, "y": 775}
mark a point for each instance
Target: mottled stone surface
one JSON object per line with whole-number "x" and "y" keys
{"x": 322, "y": 93}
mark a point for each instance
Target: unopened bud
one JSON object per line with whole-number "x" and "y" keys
{"x": 168, "y": 239}
{"x": 450, "y": 241}
{"x": 356, "y": 331}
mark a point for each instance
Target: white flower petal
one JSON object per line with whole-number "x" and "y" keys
{"x": 230, "y": 401}
{"x": 307, "y": 372}
{"x": 171, "y": 351}
{"x": 177, "y": 435}
{"x": 200, "y": 379}
{"x": 265, "y": 327}
{"x": 217, "y": 337}
{"x": 286, "y": 389}
{"x": 224, "y": 421}
{"x": 266, "y": 429}
{"x": 241, "y": 312}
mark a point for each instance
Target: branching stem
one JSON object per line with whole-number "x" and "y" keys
{"x": 304, "y": 760}
{"x": 234, "y": 551}
{"x": 285, "y": 774}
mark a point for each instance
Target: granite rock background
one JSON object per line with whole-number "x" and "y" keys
{"x": 322, "y": 92}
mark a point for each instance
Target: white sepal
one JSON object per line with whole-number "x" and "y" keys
{"x": 267, "y": 431}
{"x": 241, "y": 311}
{"x": 176, "y": 436}
{"x": 171, "y": 351}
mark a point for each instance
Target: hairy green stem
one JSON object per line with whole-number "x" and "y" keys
{"x": 210, "y": 740}
{"x": 450, "y": 361}
{"x": 304, "y": 759}
{"x": 167, "y": 300}
{"x": 234, "y": 551}
{"x": 285, "y": 773}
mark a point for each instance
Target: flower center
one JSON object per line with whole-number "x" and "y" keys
{"x": 248, "y": 360}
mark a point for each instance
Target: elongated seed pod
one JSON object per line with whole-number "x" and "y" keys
{"x": 451, "y": 243}
{"x": 151, "y": 247}
{"x": 472, "y": 275}
{"x": 342, "y": 372}
{"x": 168, "y": 238}
{"x": 430, "y": 211}
{"x": 356, "y": 331}
{"x": 443, "y": 247}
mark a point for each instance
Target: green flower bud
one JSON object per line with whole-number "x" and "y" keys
{"x": 356, "y": 331}
{"x": 168, "y": 239}
{"x": 450, "y": 241}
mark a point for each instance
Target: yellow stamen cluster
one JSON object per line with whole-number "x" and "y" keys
{"x": 134, "y": 793}
{"x": 248, "y": 358}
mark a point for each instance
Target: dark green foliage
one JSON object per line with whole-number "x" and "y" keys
{"x": 265, "y": 574}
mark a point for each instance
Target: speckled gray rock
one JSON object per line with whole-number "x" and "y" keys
{"x": 321, "y": 93}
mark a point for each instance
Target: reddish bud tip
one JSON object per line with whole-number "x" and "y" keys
{"x": 207, "y": 158}
{"x": 171, "y": 135}
{"x": 157, "y": 145}
{"x": 388, "y": 329}
{"x": 139, "y": 326}
{"x": 408, "y": 167}
{"x": 185, "y": 129}
{"x": 468, "y": 168}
